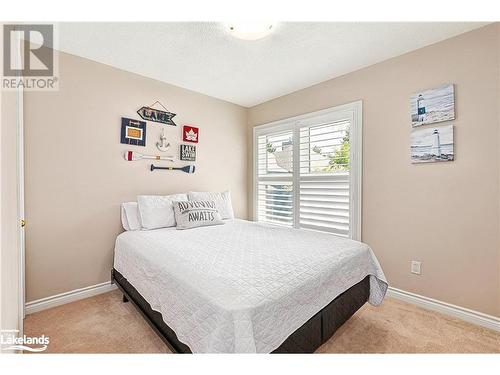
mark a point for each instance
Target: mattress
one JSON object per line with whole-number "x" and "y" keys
{"x": 242, "y": 287}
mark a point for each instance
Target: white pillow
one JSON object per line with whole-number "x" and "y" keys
{"x": 124, "y": 218}
{"x": 156, "y": 211}
{"x": 130, "y": 216}
{"x": 222, "y": 201}
{"x": 192, "y": 214}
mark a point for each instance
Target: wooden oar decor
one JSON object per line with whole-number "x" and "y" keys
{"x": 187, "y": 168}
{"x": 133, "y": 156}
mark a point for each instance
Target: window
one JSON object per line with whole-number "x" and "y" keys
{"x": 275, "y": 178}
{"x": 307, "y": 171}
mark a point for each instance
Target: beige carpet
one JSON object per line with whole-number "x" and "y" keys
{"x": 103, "y": 324}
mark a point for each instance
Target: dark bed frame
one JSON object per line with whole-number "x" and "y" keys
{"x": 306, "y": 339}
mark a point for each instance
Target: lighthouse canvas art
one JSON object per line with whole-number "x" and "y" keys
{"x": 434, "y": 105}
{"x": 433, "y": 144}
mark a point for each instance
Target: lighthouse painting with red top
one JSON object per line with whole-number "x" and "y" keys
{"x": 190, "y": 134}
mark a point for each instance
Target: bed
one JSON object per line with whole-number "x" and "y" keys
{"x": 245, "y": 287}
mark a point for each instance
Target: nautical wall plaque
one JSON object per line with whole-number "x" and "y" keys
{"x": 190, "y": 134}
{"x": 188, "y": 153}
{"x": 133, "y": 132}
{"x": 157, "y": 115}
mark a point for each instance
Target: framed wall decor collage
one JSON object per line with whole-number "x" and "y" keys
{"x": 133, "y": 133}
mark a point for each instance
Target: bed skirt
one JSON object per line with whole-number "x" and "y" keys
{"x": 306, "y": 339}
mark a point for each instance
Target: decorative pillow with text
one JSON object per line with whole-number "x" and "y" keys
{"x": 222, "y": 201}
{"x": 192, "y": 214}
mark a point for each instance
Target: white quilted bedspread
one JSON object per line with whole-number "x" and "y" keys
{"x": 242, "y": 287}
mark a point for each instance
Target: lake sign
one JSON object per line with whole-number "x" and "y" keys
{"x": 188, "y": 153}
{"x": 156, "y": 115}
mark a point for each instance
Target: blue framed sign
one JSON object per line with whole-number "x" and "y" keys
{"x": 133, "y": 132}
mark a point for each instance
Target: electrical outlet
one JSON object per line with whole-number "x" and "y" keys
{"x": 415, "y": 267}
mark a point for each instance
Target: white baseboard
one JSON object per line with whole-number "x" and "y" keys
{"x": 458, "y": 312}
{"x": 67, "y": 297}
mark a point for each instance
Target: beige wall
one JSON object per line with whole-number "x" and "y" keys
{"x": 445, "y": 215}
{"x": 76, "y": 176}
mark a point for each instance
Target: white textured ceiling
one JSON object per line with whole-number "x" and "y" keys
{"x": 202, "y": 57}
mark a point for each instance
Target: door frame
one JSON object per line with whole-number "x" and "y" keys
{"x": 20, "y": 193}
{"x": 20, "y": 206}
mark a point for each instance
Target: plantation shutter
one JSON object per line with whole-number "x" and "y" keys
{"x": 324, "y": 177}
{"x": 307, "y": 171}
{"x": 275, "y": 178}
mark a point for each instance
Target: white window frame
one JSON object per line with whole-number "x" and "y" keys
{"x": 352, "y": 110}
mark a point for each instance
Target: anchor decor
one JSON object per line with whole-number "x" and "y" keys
{"x": 157, "y": 115}
{"x": 163, "y": 145}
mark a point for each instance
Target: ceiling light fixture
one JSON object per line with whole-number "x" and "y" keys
{"x": 251, "y": 30}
